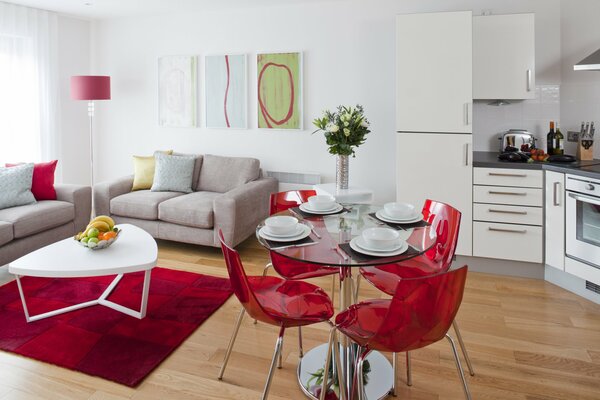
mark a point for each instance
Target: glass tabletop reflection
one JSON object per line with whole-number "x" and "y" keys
{"x": 331, "y": 236}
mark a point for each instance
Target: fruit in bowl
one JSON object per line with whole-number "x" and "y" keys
{"x": 539, "y": 155}
{"x": 99, "y": 234}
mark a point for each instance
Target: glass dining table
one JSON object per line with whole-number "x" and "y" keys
{"x": 331, "y": 243}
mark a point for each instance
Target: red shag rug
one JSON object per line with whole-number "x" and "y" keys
{"x": 103, "y": 342}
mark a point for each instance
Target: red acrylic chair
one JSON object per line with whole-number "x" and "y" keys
{"x": 275, "y": 301}
{"x": 419, "y": 314}
{"x": 285, "y": 267}
{"x": 445, "y": 219}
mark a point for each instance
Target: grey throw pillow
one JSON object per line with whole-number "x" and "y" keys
{"x": 173, "y": 173}
{"x": 16, "y": 186}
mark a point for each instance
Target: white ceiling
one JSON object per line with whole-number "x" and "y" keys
{"x": 98, "y": 9}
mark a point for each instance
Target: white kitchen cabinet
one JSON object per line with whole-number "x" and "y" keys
{"x": 434, "y": 82}
{"x": 438, "y": 167}
{"x": 504, "y": 56}
{"x": 555, "y": 219}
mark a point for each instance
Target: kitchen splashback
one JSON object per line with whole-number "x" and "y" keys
{"x": 490, "y": 122}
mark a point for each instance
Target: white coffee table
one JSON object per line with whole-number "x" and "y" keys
{"x": 134, "y": 251}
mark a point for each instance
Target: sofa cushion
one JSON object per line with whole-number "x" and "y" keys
{"x": 194, "y": 209}
{"x": 6, "y": 232}
{"x": 143, "y": 170}
{"x": 173, "y": 173}
{"x": 38, "y": 217}
{"x": 197, "y": 166}
{"x": 16, "y": 186}
{"x": 42, "y": 184}
{"x": 142, "y": 204}
{"x": 221, "y": 174}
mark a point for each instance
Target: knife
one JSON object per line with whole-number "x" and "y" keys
{"x": 292, "y": 246}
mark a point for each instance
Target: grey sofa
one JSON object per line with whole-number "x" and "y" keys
{"x": 24, "y": 229}
{"x": 229, "y": 193}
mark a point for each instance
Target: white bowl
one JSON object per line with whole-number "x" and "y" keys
{"x": 399, "y": 210}
{"x": 381, "y": 238}
{"x": 281, "y": 224}
{"x": 321, "y": 202}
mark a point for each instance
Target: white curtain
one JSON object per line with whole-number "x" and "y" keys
{"x": 28, "y": 85}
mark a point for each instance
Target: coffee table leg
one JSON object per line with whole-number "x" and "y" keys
{"x": 23, "y": 298}
{"x": 133, "y": 313}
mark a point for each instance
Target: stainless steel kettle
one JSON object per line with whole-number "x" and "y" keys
{"x": 516, "y": 138}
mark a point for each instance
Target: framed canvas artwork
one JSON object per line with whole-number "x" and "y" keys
{"x": 279, "y": 90}
{"x": 177, "y": 91}
{"x": 225, "y": 84}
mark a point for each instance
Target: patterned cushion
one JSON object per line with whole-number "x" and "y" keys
{"x": 143, "y": 168}
{"x": 16, "y": 186}
{"x": 173, "y": 173}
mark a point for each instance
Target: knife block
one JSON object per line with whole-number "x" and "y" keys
{"x": 583, "y": 153}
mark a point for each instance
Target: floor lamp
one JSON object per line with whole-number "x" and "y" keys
{"x": 90, "y": 88}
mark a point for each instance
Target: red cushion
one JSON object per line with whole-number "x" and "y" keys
{"x": 42, "y": 185}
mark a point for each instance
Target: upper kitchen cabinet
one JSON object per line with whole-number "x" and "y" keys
{"x": 434, "y": 80}
{"x": 504, "y": 57}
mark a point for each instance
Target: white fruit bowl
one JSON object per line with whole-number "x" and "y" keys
{"x": 102, "y": 244}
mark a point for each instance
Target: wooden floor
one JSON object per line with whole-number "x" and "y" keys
{"x": 528, "y": 340}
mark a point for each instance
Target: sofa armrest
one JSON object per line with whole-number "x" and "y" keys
{"x": 104, "y": 192}
{"x": 81, "y": 197}
{"x": 239, "y": 211}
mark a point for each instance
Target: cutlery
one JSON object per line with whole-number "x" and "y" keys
{"x": 293, "y": 246}
{"x": 340, "y": 252}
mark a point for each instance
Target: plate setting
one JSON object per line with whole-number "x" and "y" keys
{"x": 358, "y": 245}
{"x": 302, "y": 231}
{"x": 306, "y": 208}
{"x": 384, "y": 217}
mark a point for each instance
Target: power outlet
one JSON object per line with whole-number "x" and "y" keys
{"x": 572, "y": 136}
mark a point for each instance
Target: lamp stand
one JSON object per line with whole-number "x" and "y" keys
{"x": 91, "y": 115}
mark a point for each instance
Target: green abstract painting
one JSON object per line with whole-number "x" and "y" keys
{"x": 279, "y": 90}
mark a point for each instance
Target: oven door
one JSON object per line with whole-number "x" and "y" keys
{"x": 583, "y": 228}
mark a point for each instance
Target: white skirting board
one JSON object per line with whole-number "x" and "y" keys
{"x": 571, "y": 283}
{"x": 501, "y": 267}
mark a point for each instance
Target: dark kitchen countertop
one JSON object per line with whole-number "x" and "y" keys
{"x": 489, "y": 159}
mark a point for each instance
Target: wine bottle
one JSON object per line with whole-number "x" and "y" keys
{"x": 550, "y": 139}
{"x": 559, "y": 141}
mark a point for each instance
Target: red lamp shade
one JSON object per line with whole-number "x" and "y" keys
{"x": 90, "y": 87}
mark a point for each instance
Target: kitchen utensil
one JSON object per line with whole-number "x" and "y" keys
{"x": 515, "y": 138}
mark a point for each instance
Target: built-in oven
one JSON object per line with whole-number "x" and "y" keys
{"x": 583, "y": 220}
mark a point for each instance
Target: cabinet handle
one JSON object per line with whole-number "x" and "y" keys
{"x": 555, "y": 194}
{"x": 507, "y": 230}
{"x": 507, "y": 211}
{"x": 505, "y": 174}
{"x": 508, "y": 193}
{"x": 466, "y": 113}
{"x": 466, "y": 154}
{"x": 529, "y": 80}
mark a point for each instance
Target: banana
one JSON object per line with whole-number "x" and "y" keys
{"x": 100, "y": 225}
{"x": 105, "y": 218}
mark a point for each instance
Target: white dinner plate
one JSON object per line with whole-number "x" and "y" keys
{"x": 303, "y": 230}
{"x": 359, "y": 249}
{"x": 296, "y": 232}
{"x": 383, "y": 216}
{"x": 360, "y": 242}
{"x": 306, "y": 208}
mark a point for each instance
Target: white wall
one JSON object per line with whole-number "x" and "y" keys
{"x": 580, "y": 90}
{"x": 74, "y": 59}
{"x": 349, "y": 58}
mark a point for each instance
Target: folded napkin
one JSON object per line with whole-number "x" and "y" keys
{"x": 363, "y": 258}
{"x": 397, "y": 226}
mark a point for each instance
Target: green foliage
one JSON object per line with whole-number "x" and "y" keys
{"x": 344, "y": 130}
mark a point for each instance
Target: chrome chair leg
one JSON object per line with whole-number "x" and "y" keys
{"x": 273, "y": 362}
{"x": 408, "y": 370}
{"x": 280, "y": 361}
{"x": 265, "y": 270}
{"x": 395, "y": 374}
{"x": 333, "y": 350}
{"x": 463, "y": 348}
{"x": 231, "y": 342}
{"x": 461, "y": 374}
{"x": 333, "y": 289}
{"x": 359, "y": 368}
{"x": 300, "y": 348}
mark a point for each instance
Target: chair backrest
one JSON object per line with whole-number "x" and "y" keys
{"x": 445, "y": 220}
{"x": 240, "y": 285}
{"x": 420, "y": 312}
{"x": 283, "y": 200}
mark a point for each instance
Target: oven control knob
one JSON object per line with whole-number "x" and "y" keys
{"x": 589, "y": 186}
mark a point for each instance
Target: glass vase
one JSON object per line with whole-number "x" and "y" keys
{"x": 342, "y": 171}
